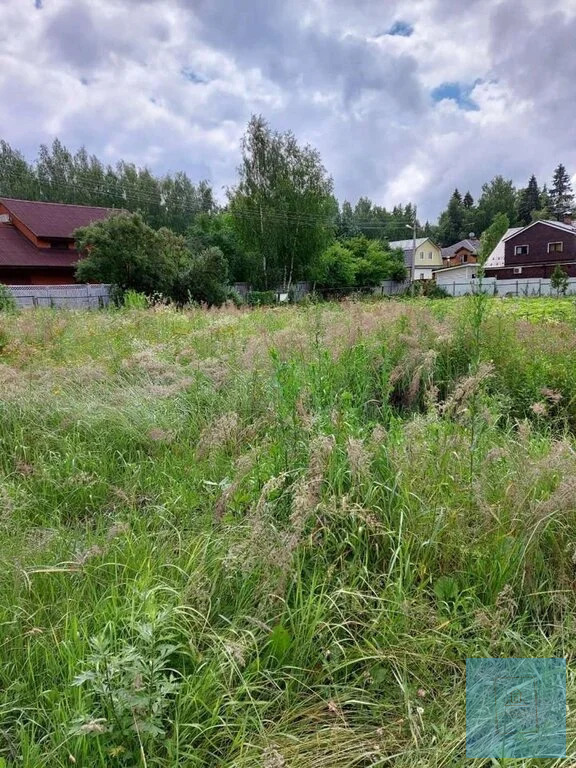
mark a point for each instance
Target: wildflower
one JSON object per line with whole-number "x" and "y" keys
{"x": 358, "y": 457}
{"x": 89, "y": 554}
{"x": 23, "y": 468}
{"x": 217, "y": 434}
{"x": 540, "y": 409}
{"x": 237, "y": 652}
{"x": 94, "y": 726}
{"x": 34, "y": 631}
{"x": 421, "y": 693}
{"x": 272, "y": 758}
{"x": 159, "y": 435}
{"x": 551, "y": 394}
{"x": 118, "y": 529}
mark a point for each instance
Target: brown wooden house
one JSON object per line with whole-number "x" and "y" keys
{"x": 36, "y": 240}
{"x": 462, "y": 252}
{"x": 534, "y": 251}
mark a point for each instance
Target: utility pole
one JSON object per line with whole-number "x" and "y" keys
{"x": 413, "y": 246}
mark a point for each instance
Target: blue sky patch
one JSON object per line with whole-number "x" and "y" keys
{"x": 38, "y": 5}
{"x": 458, "y": 92}
{"x": 401, "y": 29}
{"x": 189, "y": 74}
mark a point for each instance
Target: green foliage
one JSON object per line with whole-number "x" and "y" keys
{"x": 135, "y": 300}
{"x": 336, "y": 268}
{"x": 205, "y": 279}
{"x": 131, "y": 685}
{"x": 216, "y": 230}
{"x": 528, "y": 202}
{"x": 559, "y": 280}
{"x": 282, "y": 207}
{"x": 498, "y": 197}
{"x": 374, "y": 221}
{"x": 224, "y": 534}
{"x": 125, "y": 251}
{"x": 561, "y": 194}
{"x": 358, "y": 262}
{"x": 260, "y": 298}
{"x": 60, "y": 176}
{"x": 451, "y": 224}
{"x": 492, "y": 236}
{"x": 7, "y": 300}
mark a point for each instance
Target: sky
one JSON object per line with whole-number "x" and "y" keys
{"x": 404, "y": 99}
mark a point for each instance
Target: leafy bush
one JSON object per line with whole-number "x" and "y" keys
{"x": 134, "y": 300}
{"x": 205, "y": 279}
{"x": 261, "y": 298}
{"x": 7, "y": 300}
{"x": 358, "y": 263}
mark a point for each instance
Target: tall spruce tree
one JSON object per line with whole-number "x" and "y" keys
{"x": 451, "y": 225}
{"x": 528, "y": 201}
{"x": 561, "y": 194}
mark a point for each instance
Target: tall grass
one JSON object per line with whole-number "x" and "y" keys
{"x": 271, "y": 538}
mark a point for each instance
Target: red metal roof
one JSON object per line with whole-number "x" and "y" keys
{"x": 54, "y": 219}
{"x": 17, "y": 251}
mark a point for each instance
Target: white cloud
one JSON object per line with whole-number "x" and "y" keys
{"x": 109, "y": 74}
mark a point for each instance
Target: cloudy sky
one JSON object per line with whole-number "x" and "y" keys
{"x": 405, "y": 99}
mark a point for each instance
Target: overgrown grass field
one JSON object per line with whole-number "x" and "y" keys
{"x": 271, "y": 538}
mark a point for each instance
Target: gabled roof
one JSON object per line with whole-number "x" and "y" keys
{"x": 556, "y": 224}
{"x": 17, "y": 251}
{"x": 496, "y": 258}
{"x": 471, "y": 244}
{"x": 54, "y": 219}
{"x": 467, "y": 265}
{"x": 407, "y": 245}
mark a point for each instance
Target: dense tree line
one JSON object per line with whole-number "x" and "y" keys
{"x": 281, "y": 222}
{"x": 500, "y": 197}
{"x": 60, "y": 176}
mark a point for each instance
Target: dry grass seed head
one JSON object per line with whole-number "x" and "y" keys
{"x": 218, "y": 434}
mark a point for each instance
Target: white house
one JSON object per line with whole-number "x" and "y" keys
{"x": 460, "y": 274}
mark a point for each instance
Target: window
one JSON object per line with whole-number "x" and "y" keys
{"x": 521, "y": 250}
{"x": 517, "y": 270}
{"x": 421, "y": 275}
{"x": 555, "y": 247}
{"x": 59, "y": 243}
{"x": 430, "y": 255}
{"x": 464, "y": 258}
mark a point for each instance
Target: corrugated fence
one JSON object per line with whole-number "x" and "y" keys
{"x": 67, "y": 296}
{"x": 529, "y": 286}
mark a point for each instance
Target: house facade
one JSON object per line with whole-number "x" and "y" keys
{"x": 534, "y": 251}
{"x": 462, "y": 252}
{"x": 428, "y": 257}
{"x": 37, "y": 243}
{"x": 451, "y": 276}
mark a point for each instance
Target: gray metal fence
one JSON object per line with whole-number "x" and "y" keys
{"x": 64, "y": 296}
{"x": 529, "y": 286}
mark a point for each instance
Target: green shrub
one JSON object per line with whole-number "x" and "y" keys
{"x": 261, "y": 298}
{"x": 135, "y": 300}
{"x": 7, "y": 300}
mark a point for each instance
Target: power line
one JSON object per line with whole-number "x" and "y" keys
{"x": 131, "y": 197}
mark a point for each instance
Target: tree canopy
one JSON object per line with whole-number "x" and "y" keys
{"x": 283, "y": 208}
